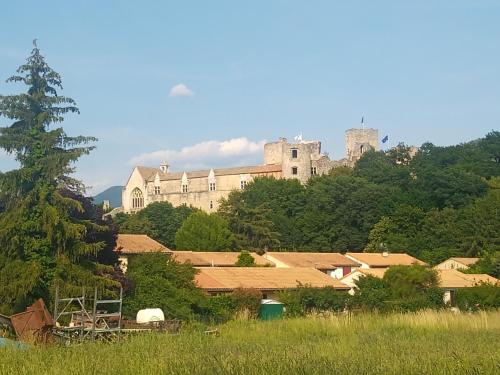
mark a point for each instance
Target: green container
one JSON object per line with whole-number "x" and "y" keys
{"x": 270, "y": 309}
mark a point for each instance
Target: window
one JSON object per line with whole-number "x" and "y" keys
{"x": 361, "y": 149}
{"x": 157, "y": 190}
{"x": 314, "y": 171}
{"x": 211, "y": 205}
{"x": 211, "y": 186}
{"x": 137, "y": 198}
{"x": 184, "y": 188}
{"x": 295, "y": 153}
{"x": 243, "y": 184}
{"x": 294, "y": 170}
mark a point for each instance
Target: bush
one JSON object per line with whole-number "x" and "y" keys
{"x": 246, "y": 300}
{"x": 306, "y": 300}
{"x": 245, "y": 259}
{"x": 403, "y": 288}
{"x": 160, "y": 282}
{"x": 220, "y": 309}
{"x": 481, "y": 297}
{"x": 372, "y": 294}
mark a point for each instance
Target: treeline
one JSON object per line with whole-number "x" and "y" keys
{"x": 438, "y": 203}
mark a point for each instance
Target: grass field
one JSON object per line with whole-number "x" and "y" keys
{"x": 422, "y": 343}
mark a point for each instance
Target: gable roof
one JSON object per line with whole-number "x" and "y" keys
{"x": 321, "y": 261}
{"x": 465, "y": 261}
{"x": 138, "y": 244}
{"x": 456, "y": 279}
{"x": 149, "y": 173}
{"x": 215, "y": 258}
{"x": 381, "y": 260}
{"x": 215, "y": 279}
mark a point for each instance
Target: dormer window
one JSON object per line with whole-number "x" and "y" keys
{"x": 211, "y": 186}
{"x": 295, "y": 153}
{"x": 184, "y": 188}
{"x": 157, "y": 190}
{"x": 243, "y": 184}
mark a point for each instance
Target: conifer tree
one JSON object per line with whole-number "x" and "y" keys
{"x": 42, "y": 241}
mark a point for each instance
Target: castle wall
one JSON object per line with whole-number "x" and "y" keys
{"x": 298, "y": 160}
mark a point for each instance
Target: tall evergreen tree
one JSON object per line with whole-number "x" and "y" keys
{"x": 39, "y": 230}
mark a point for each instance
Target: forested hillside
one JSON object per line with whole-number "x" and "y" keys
{"x": 442, "y": 202}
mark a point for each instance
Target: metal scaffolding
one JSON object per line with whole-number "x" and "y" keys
{"x": 87, "y": 319}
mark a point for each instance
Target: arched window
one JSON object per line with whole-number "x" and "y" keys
{"x": 361, "y": 149}
{"x": 137, "y": 198}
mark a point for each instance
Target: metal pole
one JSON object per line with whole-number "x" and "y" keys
{"x": 94, "y": 312}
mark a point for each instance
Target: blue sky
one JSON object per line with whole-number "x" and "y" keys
{"x": 257, "y": 70}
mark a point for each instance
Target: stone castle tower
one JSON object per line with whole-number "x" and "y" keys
{"x": 358, "y": 141}
{"x": 300, "y": 160}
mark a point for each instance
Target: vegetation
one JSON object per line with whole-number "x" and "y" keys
{"x": 421, "y": 343}
{"x": 481, "y": 297}
{"x": 306, "y": 300}
{"x": 159, "y": 220}
{"x": 46, "y": 238}
{"x": 442, "y": 202}
{"x": 245, "y": 259}
{"x": 159, "y": 282}
{"x": 202, "y": 231}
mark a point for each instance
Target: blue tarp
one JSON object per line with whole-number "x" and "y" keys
{"x": 4, "y": 343}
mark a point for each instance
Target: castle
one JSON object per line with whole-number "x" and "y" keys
{"x": 204, "y": 189}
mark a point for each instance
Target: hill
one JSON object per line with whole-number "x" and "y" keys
{"x": 113, "y": 194}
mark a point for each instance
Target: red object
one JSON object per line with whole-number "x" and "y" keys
{"x": 346, "y": 270}
{"x": 34, "y": 323}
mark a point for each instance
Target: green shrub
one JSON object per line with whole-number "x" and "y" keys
{"x": 481, "y": 297}
{"x": 245, "y": 259}
{"x": 305, "y": 300}
{"x": 220, "y": 309}
{"x": 247, "y": 299}
{"x": 372, "y": 294}
{"x": 160, "y": 282}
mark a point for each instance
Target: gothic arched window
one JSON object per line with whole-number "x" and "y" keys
{"x": 137, "y": 198}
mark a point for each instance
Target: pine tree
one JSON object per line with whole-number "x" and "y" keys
{"x": 39, "y": 230}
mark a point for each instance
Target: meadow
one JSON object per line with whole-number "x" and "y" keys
{"x": 420, "y": 343}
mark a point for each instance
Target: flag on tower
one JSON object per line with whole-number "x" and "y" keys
{"x": 385, "y": 139}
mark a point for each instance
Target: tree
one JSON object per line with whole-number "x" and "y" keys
{"x": 264, "y": 214}
{"x": 159, "y": 220}
{"x": 39, "y": 230}
{"x": 202, "y": 231}
{"x": 340, "y": 211}
{"x": 245, "y": 259}
{"x": 160, "y": 282}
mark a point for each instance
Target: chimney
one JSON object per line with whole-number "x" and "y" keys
{"x": 164, "y": 167}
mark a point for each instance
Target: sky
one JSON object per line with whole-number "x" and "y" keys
{"x": 204, "y": 84}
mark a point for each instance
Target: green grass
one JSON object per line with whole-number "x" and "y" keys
{"x": 422, "y": 343}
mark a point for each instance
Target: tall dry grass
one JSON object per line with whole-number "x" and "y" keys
{"x": 421, "y": 343}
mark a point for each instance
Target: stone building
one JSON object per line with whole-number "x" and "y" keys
{"x": 204, "y": 189}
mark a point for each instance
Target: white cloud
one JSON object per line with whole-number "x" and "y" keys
{"x": 207, "y": 154}
{"x": 181, "y": 90}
